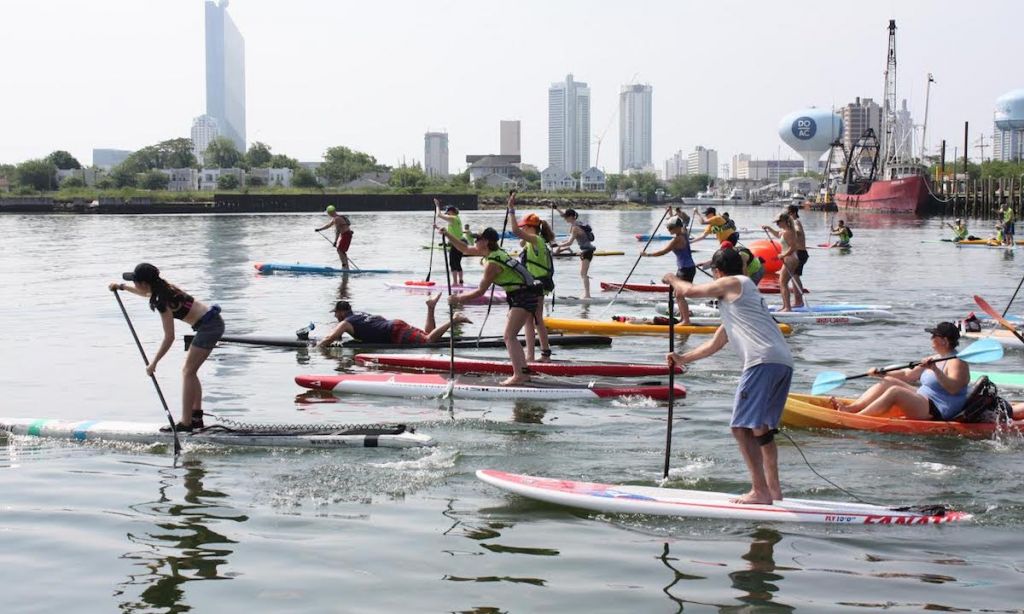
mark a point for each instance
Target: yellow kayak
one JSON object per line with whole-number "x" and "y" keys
{"x": 630, "y": 328}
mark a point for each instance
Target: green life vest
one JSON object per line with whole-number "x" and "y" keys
{"x": 455, "y": 228}
{"x": 513, "y": 276}
{"x": 538, "y": 261}
{"x": 753, "y": 262}
{"x": 961, "y": 232}
{"x": 1008, "y": 215}
{"x": 844, "y": 235}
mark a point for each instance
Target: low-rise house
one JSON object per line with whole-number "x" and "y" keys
{"x": 554, "y": 179}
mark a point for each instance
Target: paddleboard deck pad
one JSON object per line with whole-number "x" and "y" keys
{"x": 464, "y": 342}
{"x": 295, "y": 436}
{"x": 439, "y": 362}
{"x": 625, "y": 499}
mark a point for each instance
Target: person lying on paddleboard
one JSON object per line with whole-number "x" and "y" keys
{"x": 534, "y": 235}
{"x": 342, "y": 233}
{"x": 686, "y": 269}
{"x": 716, "y": 225}
{"x": 522, "y": 292}
{"x": 767, "y": 367}
{"x": 581, "y": 233}
{"x": 943, "y": 386}
{"x": 173, "y": 303}
{"x": 843, "y": 233}
{"x": 372, "y": 328}
{"x": 790, "y": 262}
{"x": 451, "y": 216}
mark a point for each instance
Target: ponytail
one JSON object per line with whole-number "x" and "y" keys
{"x": 161, "y": 293}
{"x": 545, "y": 232}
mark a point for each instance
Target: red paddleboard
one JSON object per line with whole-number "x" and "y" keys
{"x": 769, "y": 284}
{"x": 438, "y": 362}
{"x": 605, "y": 285}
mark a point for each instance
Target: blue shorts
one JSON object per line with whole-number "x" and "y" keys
{"x": 761, "y": 396}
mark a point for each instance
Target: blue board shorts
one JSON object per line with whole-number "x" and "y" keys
{"x": 761, "y": 396}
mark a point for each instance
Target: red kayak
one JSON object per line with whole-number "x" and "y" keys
{"x": 439, "y": 362}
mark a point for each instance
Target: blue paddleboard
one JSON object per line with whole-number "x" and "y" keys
{"x": 298, "y": 267}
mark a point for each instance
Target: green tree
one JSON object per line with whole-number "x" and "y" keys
{"x": 342, "y": 165}
{"x": 124, "y": 175}
{"x": 173, "y": 153}
{"x": 258, "y": 156}
{"x": 221, "y": 153}
{"x": 63, "y": 160}
{"x": 304, "y": 178}
{"x": 154, "y": 180}
{"x": 72, "y": 181}
{"x": 687, "y": 186}
{"x": 105, "y": 183}
{"x": 283, "y": 161}
{"x": 408, "y": 177}
{"x": 460, "y": 180}
{"x": 531, "y": 175}
{"x": 255, "y": 181}
{"x": 227, "y": 182}
{"x": 647, "y": 184}
{"x": 37, "y": 174}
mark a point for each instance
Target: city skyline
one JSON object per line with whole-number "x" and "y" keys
{"x": 314, "y": 80}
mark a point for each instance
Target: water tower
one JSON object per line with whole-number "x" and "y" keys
{"x": 1009, "y": 113}
{"x": 810, "y": 132}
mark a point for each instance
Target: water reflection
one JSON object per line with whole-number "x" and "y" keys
{"x": 179, "y": 548}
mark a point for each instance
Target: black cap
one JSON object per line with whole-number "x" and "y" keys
{"x": 342, "y": 306}
{"x": 570, "y": 213}
{"x": 945, "y": 329}
{"x": 451, "y": 208}
{"x": 793, "y": 209}
{"x": 488, "y": 234}
{"x": 144, "y": 272}
{"x": 710, "y": 210}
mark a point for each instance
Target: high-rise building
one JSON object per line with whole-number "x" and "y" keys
{"x": 903, "y": 136}
{"x": 1007, "y": 145}
{"x": 435, "y": 154}
{"x": 745, "y": 167}
{"x": 634, "y": 127}
{"x": 569, "y": 126}
{"x": 204, "y": 129}
{"x": 225, "y": 73}
{"x": 703, "y": 161}
{"x": 677, "y": 166}
{"x": 857, "y": 117}
{"x": 510, "y": 143}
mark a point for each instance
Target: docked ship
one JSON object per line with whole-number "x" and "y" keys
{"x": 876, "y": 175}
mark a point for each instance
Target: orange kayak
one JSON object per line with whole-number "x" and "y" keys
{"x": 808, "y": 411}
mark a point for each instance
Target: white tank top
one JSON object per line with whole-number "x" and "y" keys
{"x": 751, "y": 329}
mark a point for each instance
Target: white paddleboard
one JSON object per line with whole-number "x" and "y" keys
{"x": 623, "y": 499}
{"x": 1001, "y": 335}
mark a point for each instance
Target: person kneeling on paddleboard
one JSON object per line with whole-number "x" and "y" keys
{"x": 371, "y": 328}
{"x": 767, "y": 367}
{"x": 173, "y": 303}
{"x": 943, "y": 386}
{"x": 522, "y": 292}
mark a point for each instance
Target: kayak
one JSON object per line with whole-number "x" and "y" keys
{"x": 439, "y": 362}
{"x": 1001, "y": 335}
{"x": 298, "y": 267}
{"x": 808, "y": 411}
{"x": 1010, "y": 380}
{"x": 626, "y": 328}
{"x": 462, "y": 342}
{"x": 630, "y": 499}
{"x": 470, "y": 387}
{"x": 292, "y": 436}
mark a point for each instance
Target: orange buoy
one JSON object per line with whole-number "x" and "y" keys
{"x": 769, "y": 251}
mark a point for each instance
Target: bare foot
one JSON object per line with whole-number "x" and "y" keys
{"x": 515, "y": 380}
{"x": 754, "y": 498}
{"x": 544, "y": 356}
{"x": 834, "y": 402}
{"x": 777, "y": 495}
{"x": 460, "y": 318}
{"x": 785, "y": 309}
{"x": 432, "y": 301}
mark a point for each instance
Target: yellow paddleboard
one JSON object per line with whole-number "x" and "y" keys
{"x": 629, "y": 328}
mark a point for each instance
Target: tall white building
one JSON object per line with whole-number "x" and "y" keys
{"x": 225, "y": 72}
{"x": 435, "y": 154}
{"x": 1007, "y": 144}
{"x": 205, "y": 128}
{"x": 857, "y": 117}
{"x": 703, "y": 161}
{"x": 634, "y": 127}
{"x": 677, "y": 166}
{"x": 510, "y": 133}
{"x": 569, "y": 126}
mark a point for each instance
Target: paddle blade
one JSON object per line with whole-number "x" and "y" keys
{"x": 826, "y": 381}
{"x": 982, "y": 350}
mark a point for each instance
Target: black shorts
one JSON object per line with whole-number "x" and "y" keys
{"x": 209, "y": 329}
{"x": 524, "y": 299}
{"x": 1008, "y": 228}
{"x": 687, "y": 273}
{"x": 801, "y": 256}
{"x": 933, "y": 411}
{"x": 587, "y": 254}
{"x": 455, "y": 259}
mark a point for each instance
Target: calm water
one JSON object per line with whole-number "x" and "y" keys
{"x": 100, "y": 528}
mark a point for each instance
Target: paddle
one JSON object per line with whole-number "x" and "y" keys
{"x": 982, "y": 350}
{"x": 998, "y": 318}
{"x": 433, "y": 232}
{"x": 501, "y": 242}
{"x": 174, "y": 428}
{"x": 671, "y": 379}
{"x": 1013, "y": 297}
{"x": 351, "y": 261}
{"x": 796, "y": 280}
{"x": 451, "y": 323}
{"x": 628, "y": 275}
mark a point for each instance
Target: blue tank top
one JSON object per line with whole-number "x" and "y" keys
{"x": 949, "y": 405}
{"x": 370, "y": 328}
{"x": 684, "y": 257}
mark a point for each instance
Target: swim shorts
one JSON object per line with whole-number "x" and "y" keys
{"x": 802, "y": 256}
{"x": 687, "y": 273}
{"x": 761, "y": 396}
{"x": 403, "y": 333}
{"x": 209, "y": 329}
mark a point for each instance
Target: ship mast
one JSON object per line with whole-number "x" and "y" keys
{"x": 889, "y": 104}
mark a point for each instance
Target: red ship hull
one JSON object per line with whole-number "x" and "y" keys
{"x": 904, "y": 195}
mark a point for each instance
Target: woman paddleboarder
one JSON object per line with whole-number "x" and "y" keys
{"x": 686, "y": 269}
{"x": 535, "y": 234}
{"x": 173, "y": 303}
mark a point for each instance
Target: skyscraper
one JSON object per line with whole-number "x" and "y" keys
{"x": 435, "y": 154}
{"x": 225, "y": 72}
{"x": 569, "y": 126}
{"x": 204, "y": 130}
{"x": 634, "y": 127}
{"x": 510, "y": 144}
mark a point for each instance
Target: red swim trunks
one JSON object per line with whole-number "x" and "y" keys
{"x": 404, "y": 334}
{"x": 344, "y": 241}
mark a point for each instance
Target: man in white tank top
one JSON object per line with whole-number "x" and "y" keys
{"x": 767, "y": 367}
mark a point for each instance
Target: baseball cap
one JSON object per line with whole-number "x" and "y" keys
{"x": 342, "y": 306}
{"x": 675, "y": 222}
{"x": 945, "y": 329}
{"x": 530, "y": 220}
{"x": 570, "y": 213}
{"x": 710, "y": 210}
{"x": 451, "y": 208}
{"x": 144, "y": 272}
{"x": 488, "y": 234}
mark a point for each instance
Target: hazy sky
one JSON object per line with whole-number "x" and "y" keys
{"x": 375, "y": 76}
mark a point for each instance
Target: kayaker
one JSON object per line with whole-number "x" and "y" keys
{"x": 790, "y": 261}
{"x": 522, "y": 292}
{"x": 373, "y": 328}
{"x": 342, "y": 233}
{"x": 686, "y": 269}
{"x": 843, "y": 233}
{"x": 534, "y": 235}
{"x": 173, "y": 303}
{"x": 717, "y": 225}
{"x": 753, "y": 266}
{"x": 943, "y": 385}
{"x": 582, "y": 234}
{"x": 959, "y": 230}
{"x": 451, "y": 216}
{"x": 767, "y": 367}
{"x": 801, "y": 248}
